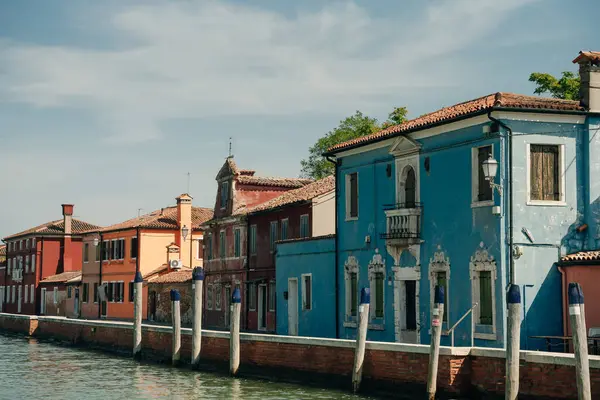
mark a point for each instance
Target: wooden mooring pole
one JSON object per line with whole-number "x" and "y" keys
{"x": 361, "y": 337}
{"x": 234, "y": 337}
{"x": 197, "y": 283}
{"x": 176, "y": 335}
{"x": 437, "y": 316}
{"x": 513, "y": 342}
{"x": 137, "y": 314}
{"x": 580, "y": 342}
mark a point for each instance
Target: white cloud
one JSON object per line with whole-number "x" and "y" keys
{"x": 197, "y": 59}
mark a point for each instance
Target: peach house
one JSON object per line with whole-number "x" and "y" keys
{"x": 112, "y": 255}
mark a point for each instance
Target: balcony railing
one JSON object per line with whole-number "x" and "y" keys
{"x": 403, "y": 222}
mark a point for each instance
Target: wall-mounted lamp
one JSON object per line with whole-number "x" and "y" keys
{"x": 96, "y": 242}
{"x": 490, "y": 169}
{"x": 184, "y": 232}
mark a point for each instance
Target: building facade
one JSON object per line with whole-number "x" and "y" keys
{"x": 2, "y": 275}
{"x": 60, "y": 295}
{"x": 38, "y": 253}
{"x": 226, "y": 238}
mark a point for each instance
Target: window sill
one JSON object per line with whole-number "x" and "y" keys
{"x": 485, "y": 336}
{"x": 351, "y": 218}
{"x": 486, "y": 203}
{"x": 546, "y": 203}
{"x": 376, "y": 327}
{"x": 349, "y": 324}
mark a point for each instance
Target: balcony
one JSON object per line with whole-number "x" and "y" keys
{"x": 403, "y": 224}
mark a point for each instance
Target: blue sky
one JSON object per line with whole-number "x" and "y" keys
{"x": 109, "y": 104}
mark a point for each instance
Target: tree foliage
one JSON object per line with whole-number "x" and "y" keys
{"x": 567, "y": 87}
{"x": 357, "y": 125}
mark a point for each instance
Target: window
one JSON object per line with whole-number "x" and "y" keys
{"x": 544, "y": 172}
{"x": 284, "y": 229}
{"x": 32, "y": 296}
{"x": 272, "y": 296}
{"x": 199, "y": 249}
{"x": 106, "y": 253}
{"x": 209, "y": 297}
{"x": 224, "y": 194}
{"x": 86, "y": 249}
{"x": 85, "y": 293}
{"x": 273, "y": 235}
{"x": 133, "y": 251}
{"x": 131, "y": 292}
{"x": 218, "y": 297}
{"x": 481, "y": 190}
{"x": 376, "y": 271}
{"x": 26, "y": 243}
{"x": 222, "y": 245}
{"x": 33, "y": 243}
{"x": 483, "y": 277}
{"x": 410, "y": 188}
{"x": 253, "y": 239}
{"x": 252, "y": 296}
{"x": 26, "y": 300}
{"x": 98, "y": 250}
{"x": 121, "y": 289}
{"x": 307, "y": 291}
{"x": 33, "y": 263}
{"x": 69, "y": 292}
{"x": 110, "y": 292}
{"x": 439, "y": 274}
{"x": 237, "y": 242}
{"x": 441, "y": 280}
{"x": 95, "y": 292}
{"x": 209, "y": 247}
{"x": 351, "y": 286}
{"x": 27, "y": 263}
{"x": 352, "y": 195}
{"x": 8, "y": 265}
{"x": 55, "y": 295}
{"x": 118, "y": 249}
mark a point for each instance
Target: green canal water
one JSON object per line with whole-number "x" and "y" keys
{"x": 32, "y": 369}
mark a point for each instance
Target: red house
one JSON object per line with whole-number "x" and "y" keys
{"x": 37, "y": 253}
{"x": 225, "y": 240}
{"x": 2, "y": 274}
{"x": 288, "y": 216}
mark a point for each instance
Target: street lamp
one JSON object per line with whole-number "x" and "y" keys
{"x": 184, "y": 232}
{"x": 490, "y": 169}
{"x": 96, "y": 242}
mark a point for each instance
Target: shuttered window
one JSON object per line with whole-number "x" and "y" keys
{"x": 353, "y": 293}
{"x": 273, "y": 235}
{"x": 544, "y": 172}
{"x": 485, "y": 298}
{"x": 484, "y": 190}
{"x": 237, "y": 245}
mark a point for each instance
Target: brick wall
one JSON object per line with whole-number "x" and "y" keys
{"x": 391, "y": 365}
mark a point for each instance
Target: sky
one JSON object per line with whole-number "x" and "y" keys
{"x": 109, "y": 104}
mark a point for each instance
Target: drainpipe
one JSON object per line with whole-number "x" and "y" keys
{"x": 337, "y": 284}
{"x": 509, "y": 194}
{"x": 563, "y": 280}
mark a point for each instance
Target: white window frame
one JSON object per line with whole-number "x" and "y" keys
{"x": 252, "y": 288}
{"x": 475, "y": 167}
{"x": 303, "y": 281}
{"x": 33, "y": 262}
{"x": 14, "y": 293}
{"x": 307, "y": 232}
{"x": 561, "y": 202}
{"x": 27, "y": 263}
{"x": 348, "y": 196}
{"x": 482, "y": 261}
{"x": 439, "y": 263}
{"x": 218, "y": 293}
{"x": 376, "y": 265}
{"x": 32, "y": 295}
{"x": 26, "y": 296}
{"x": 350, "y": 267}
{"x": 253, "y": 230}
{"x": 209, "y": 296}
{"x": 273, "y": 292}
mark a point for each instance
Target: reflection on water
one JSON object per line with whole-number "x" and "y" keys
{"x": 33, "y": 369}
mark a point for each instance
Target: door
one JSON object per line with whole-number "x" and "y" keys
{"x": 409, "y": 332}
{"x": 228, "y": 301}
{"x": 152, "y": 315}
{"x": 293, "y": 307}
{"x": 20, "y": 293}
{"x": 262, "y": 307}
{"x": 43, "y": 302}
{"x": 76, "y": 306}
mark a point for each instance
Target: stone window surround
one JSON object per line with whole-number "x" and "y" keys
{"x": 440, "y": 263}
{"x": 376, "y": 265}
{"x": 482, "y": 261}
{"x": 475, "y": 178}
{"x": 350, "y": 266}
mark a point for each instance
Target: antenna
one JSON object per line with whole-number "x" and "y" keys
{"x": 188, "y": 183}
{"x": 230, "y": 154}
{"x": 139, "y": 211}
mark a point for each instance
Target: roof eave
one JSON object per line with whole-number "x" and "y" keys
{"x": 279, "y": 208}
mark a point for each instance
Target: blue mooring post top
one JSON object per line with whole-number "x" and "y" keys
{"x": 365, "y": 296}
{"x": 575, "y": 293}
{"x": 513, "y": 296}
{"x": 198, "y": 274}
{"x": 175, "y": 296}
{"x": 439, "y": 295}
{"x": 236, "y": 297}
{"x": 138, "y": 277}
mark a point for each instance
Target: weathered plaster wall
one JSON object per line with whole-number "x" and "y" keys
{"x": 164, "y": 312}
{"x": 591, "y": 144}
{"x": 323, "y": 214}
{"x": 316, "y": 257}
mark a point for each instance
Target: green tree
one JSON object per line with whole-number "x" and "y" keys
{"x": 357, "y": 125}
{"x": 567, "y": 87}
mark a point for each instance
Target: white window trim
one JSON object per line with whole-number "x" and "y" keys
{"x": 439, "y": 263}
{"x": 482, "y": 261}
{"x": 253, "y": 232}
{"x": 33, "y": 262}
{"x": 348, "y": 195}
{"x": 376, "y": 265}
{"x": 273, "y": 288}
{"x": 475, "y": 178}
{"x": 32, "y": 294}
{"x": 26, "y": 297}
{"x": 252, "y": 293}
{"x": 218, "y": 288}
{"x": 304, "y": 291}
{"x": 305, "y": 216}
{"x": 350, "y": 266}
{"x": 561, "y": 181}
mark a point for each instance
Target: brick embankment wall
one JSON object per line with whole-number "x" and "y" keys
{"x": 399, "y": 367}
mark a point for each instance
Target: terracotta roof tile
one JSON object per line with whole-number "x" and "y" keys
{"x": 155, "y": 271}
{"x": 181, "y": 276}
{"x": 272, "y": 181}
{"x": 307, "y": 192}
{"x": 593, "y": 56}
{"x": 56, "y": 228}
{"x": 485, "y": 103}
{"x": 592, "y": 255}
{"x": 72, "y": 276}
{"x": 2, "y": 250}
{"x": 165, "y": 218}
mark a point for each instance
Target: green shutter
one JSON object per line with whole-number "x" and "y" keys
{"x": 485, "y": 298}
{"x": 379, "y": 295}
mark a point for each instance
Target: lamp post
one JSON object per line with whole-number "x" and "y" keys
{"x": 490, "y": 169}
{"x": 184, "y": 232}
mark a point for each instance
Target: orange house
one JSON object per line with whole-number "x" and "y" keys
{"x": 112, "y": 255}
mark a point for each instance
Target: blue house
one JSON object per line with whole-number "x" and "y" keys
{"x": 415, "y": 209}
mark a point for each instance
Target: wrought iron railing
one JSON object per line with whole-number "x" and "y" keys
{"x": 403, "y": 221}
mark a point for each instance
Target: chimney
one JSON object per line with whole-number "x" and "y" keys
{"x": 67, "y": 210}
{"x": 184, "y": 222}
{"x": 589, "y": 73}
